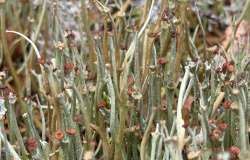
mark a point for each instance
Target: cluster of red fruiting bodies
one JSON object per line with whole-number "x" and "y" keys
{"x": 227, "y": 67}
{"x": 217, "y": 133}
{"x": 67, "y": 68}
{"x": 227, "y": 104}
{"x": 234, "y": 152}
{"x": 32, "y": 143}
{"x": 59, "y": 135}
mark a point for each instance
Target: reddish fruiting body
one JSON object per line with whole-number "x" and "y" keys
{"x": 230, "y": 68}
{"x": 234, "y": 151}
{"x": 59, "y": 135}
{"x": 130, "y": 91}
{"x": 68, "y": 67}
{"x": 227, "y": 104}
{"x": 162, "y": 61}
{"x": 222, "y": 126}
{"x": 102, "y": 104}
{"x": 31, "y": 144}
{"x": 71, "y": 131}
{"x": 41, "y": 61}
{"x": 216, "y": 134}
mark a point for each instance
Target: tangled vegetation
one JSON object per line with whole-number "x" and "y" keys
{"x": 124, "y": 79}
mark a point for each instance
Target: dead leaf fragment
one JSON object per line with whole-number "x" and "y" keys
{"x": 218, "y": 101}
{"x": 89, "y": 155}
{"x": 193, "y": 154}
{"x": 241, "y": 36}
{"x": 234, "y": 105}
